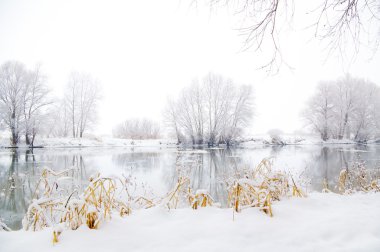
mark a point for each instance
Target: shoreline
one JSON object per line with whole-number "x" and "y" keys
{"x": 108, "y": 142}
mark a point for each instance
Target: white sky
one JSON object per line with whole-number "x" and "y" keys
{"x": 145, "y": 50}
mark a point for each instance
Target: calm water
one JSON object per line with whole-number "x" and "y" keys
{"x": 156, "y": 168}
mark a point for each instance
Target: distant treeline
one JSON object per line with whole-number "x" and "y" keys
{"x": 345, "y": 108}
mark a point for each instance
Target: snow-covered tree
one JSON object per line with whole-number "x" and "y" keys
{"x": 171, "y": 120}
{"x": 81, "y": 98}
{"x": 137, "y": 129}
{"x": 59, "y": 120}
{"x": 23, "y": 100}
{"x": 276, "y": 136}
{"x": 34, "y": 103}
{"x": 347, "y": 107}
{"x": 13, "y": 78}
{"x": 214, "y": 110}
{"x": 319, "y": 111}
{"x": 365, "y": 121}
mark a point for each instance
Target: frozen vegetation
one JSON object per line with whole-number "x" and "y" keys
{"x": 256, "y": 140}
{"x": 267, "y": 210}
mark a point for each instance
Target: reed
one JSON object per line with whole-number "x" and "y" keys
{"x": 358, "y": 179}
{"x": 106, "y": 196}
{"x": 200, "y": 199}
{"x": 179, "y": 192}
{"x": 259, "y": 188}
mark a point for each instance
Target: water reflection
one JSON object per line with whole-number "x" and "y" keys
{"x": 326, "y": 164}
{"x": 20, "y": 170}
{"x": 16, "y": 185}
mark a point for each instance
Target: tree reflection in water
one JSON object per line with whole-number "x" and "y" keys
{"x": 20, "y": 171}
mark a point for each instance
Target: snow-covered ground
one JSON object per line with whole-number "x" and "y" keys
{"x": 292, "y": 139}
{"x": 253, "y": 140}
{"x": 94, "y": 142}
{"x": 117, "y": 142}
{"x": 320, "y": 222}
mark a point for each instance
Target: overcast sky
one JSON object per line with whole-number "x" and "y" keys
{"x": 143, "y": 51}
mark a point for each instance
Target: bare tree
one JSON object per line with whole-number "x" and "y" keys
{"x": 190, "y": 112}
{"x": 345, "y": 96}
{"x": 364, "y": 121}
{"x": 213, "y": 111}
{"x": 319, "y": 111}
{"x": 59, "y": 119}
{"x": 345, "y": 108}
{"x": 34, "y": 102}
{"x": 137, "y": 129}
{"x": 334, "y": 21}
{"x": 171, "y": 120}
{"x": 81, "y": 98}
{"x": 218, "y": 97}
{"x": 23, "y": 100}
{"x": 12, "y": 88}
{"x": 240, "y": 115}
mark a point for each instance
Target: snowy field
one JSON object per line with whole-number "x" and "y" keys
{"x": 320, "y": 222}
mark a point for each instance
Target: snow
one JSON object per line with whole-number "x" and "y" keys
{"x": 94, "y": 142}
{"x": 320, "y": 222}
{"x": 256, "y": 140}
{"x": 294, "y": 139}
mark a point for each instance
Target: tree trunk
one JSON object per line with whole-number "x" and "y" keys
{"x": 27, "y": 139}
{"x": 32, "y": 142}
{"x": 14, "y": 139}
{"x": 341, "y": 135}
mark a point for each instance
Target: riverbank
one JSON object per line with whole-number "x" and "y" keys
{"x": 92, "y": 142}
{"x": 257, "y": 140}
{"x": 320, "y": 222}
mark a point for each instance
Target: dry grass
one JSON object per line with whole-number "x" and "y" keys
{"x": 326, "y": 188}
{"x": 358, "y": 178}
{"x": 106, "y": 196}
{"x": 259, "y": 188}
{"x": 200, "y": 199}
{"x": 96, "y": 204}
{"x": 178, "y": 193}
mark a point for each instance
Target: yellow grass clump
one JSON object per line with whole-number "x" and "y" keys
{"x": 92, "y": 219}
{"x": 100, "y": 194}
{"x": 259, "y": 188}
{"x": 200, "y": 199}
{"x": 41, "y": 214}
{"x": 75, "y": 213}
{"x": 172, "y": 198}
{"x": 358, "y": 178}
{"x": 97, "y": 203}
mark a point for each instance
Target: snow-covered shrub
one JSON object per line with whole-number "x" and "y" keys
{"x": 359, "y": 178}
{"x": 276, "y": 136}
{"x": 97, "y": 203}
